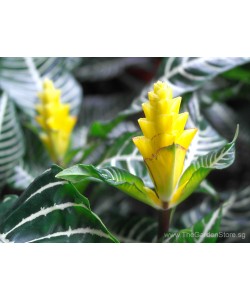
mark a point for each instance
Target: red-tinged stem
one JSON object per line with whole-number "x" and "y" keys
{"x": 164, "y": 220}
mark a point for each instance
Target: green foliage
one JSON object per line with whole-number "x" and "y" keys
{"x": 187, "y": 75}
{"x": 235, "y": 211}
{"x": 11, "y": 139}
{"x": 123, "y": 154}
{"x": 200, "y": 168}
{"x": 215, "y": 92}
{"x": 134, "y": 186}
{"x": 118, "y": 178}
{"x": 21, "y": 79}
{"x": 22, "y": 177}
{"x": 204, "y": 231}
{"x": 50, "y": 210}
{"x": 207, "y": 139}
{"x": 134, "y": 229}
{"x": 7, "y": 205}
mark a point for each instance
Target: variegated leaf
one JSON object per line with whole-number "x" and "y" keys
{"x": 34, "y": 162}
{"x": 52, "y": 210}
{"x": 7, "y": 205}
{"x": 118, "y": 178}
{"x": 235, "y": 211}
{"x": 21, "y": 79}
{"x": 123, "y": 154}
{"x": 200, "y": 168}
{"x": 11, "y": 139}
{"x": 134, "y": 229}
{"x": 187, "y": 74}
{"x": 207, "y": 139}
{"x": 204, "y": 231}
{"x": 21, "y": 177}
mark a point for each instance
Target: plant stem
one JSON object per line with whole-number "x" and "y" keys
{"x": 164, "y": 220}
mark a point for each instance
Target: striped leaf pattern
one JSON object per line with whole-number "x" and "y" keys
{"x": 7, "y": 206}
{"x": 206, "y": 139}
{"x": 11, "y": 139}
{"x": 199, "y": 169}
{"x": 33, "y": 164}
{"x": 205, "y": 230}
{"x": 52, "y": 210}
{"x": 206, "y": 188}
{"x": 235, "y": 211}
{"x": 220, "y": 159}
{"x": 123, "y": 154}
{"x": 187, "y": 74}
{"x": 137, "y": 229}
{"x": 21, "y": 178}
{"x": 189, "y": 218}
{"x": 101, "y": 68}
{"x": 72, "y": 63}
{"x": 118, "y": 178}
{"x": 21, "y": 79}
{"x": 207, "y": 151}
{"x": 134, "y": 229}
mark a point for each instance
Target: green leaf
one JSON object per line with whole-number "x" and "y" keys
{"x": 7, "y": 205}
{"x": 34, "y": 162}
{"x": 123, "y": 154}
{"x": 235, "y": 211}
{"x": 52, "y": 210}
{"x": 199, "y": 169}
{"x": 204, "y": 231}
{"x": 21, "y": 79}
{"x": 224, "y": 117}
{"x": 72, "y": 63}
{"x": 11, "y": 139}
{"x": 206, "y": 188}
{"x": 104, "y": 68}
{"x": 187, "y": 74}
{"x": 239, "y": 74}
{"x": 207, "y": 139}
{"x": 118, "y": 178}
{"x": 134, "y": 229}
{"x": 21, "y": 178}
{"x": 99, "y": 129}
{"x": 99, "y": 110}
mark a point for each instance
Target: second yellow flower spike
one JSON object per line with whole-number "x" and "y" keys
{"x": 55, "y": 121}
{"x": 165, "y": 141}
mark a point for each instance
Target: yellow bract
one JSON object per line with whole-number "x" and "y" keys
{"x": 165, "y": 141}
{"x": 55, "y": 121}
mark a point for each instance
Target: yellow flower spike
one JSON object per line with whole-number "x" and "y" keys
{"x": 165, "y": 142}
{"x": 186, "y": 137}
{"x": 175, "y": 107}
{"x": 55, "y": 121}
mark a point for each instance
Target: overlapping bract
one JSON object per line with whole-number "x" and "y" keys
{"x": 55, "y": 121}
{"x": 165, "y": 141}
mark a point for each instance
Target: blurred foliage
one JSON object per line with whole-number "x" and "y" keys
{"x": 107, "y": 94}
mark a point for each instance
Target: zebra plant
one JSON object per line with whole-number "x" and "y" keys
{"x": 163, "y": 146}
{"x": 43, "y": 202}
